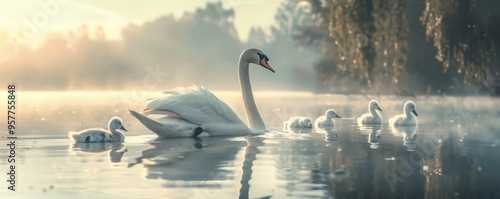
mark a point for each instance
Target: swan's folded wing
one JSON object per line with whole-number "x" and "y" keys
{"x": 195, "y": 104}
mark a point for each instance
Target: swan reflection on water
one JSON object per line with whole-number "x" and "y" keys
{"x": 115, "y": 149}
{"x": 324, "y": 130}
{"x": 174, "y": 159}
{"x": 298, "y": 130}
{"x": 341, "y": 173}
{"x": 177, "y": 161}
{"x": 331, "y": 136}
{"x": 409, "y": 134}
{"x": 373, "y": 132}
{"x": 329, "y": 132}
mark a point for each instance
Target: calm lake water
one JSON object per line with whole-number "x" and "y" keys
{"x": 453, "y": 153}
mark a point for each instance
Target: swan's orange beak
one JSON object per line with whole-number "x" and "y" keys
{"x": 264, "y": 63}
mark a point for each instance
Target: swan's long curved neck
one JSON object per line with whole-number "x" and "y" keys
{"x": 254, "y": 120}
{"x": 116, "y": 133}
{"x": 408, "y": 113}
{"x": 374, "y": 112}
{"x": 112, "y": 130}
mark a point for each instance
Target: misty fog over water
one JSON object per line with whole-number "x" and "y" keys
{"x": 454, "y": 150}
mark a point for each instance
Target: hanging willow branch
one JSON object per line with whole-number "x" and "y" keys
{"x": 391, "y": 38}
{"x": 360, "y": 28}
{"x": 460, "y": 36}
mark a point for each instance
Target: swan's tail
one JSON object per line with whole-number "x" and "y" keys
{"x": 73, "y": 136}
{"x": 179, "y": 128}
{"x": 152, "y": 125}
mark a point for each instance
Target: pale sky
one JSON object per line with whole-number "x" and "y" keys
{"x": 32, "y": 17}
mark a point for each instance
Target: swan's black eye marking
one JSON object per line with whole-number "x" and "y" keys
{"x": 262, "y": 56}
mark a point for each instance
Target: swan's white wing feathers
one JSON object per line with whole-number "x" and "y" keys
{"x": 197, "y": 105}
{"x": 323, "y": 122}
{"x": 397, "y": 120}
{"x": 166, "y": 126}
{"x": 365, "y": 118}
{"x": 93, "y": 135}
{"x": 402, "y": 120}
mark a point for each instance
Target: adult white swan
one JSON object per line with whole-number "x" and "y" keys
{"x": 189, "y": 112}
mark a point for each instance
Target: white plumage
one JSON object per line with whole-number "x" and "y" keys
{"x": 406, "y": 119}
{"x": 100, "y": 135}
{"x": 193, "y": 111}
{"x": 298, "y": 122}
{"x": 372, "y": 117}
{"x": 326, "y": 121}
